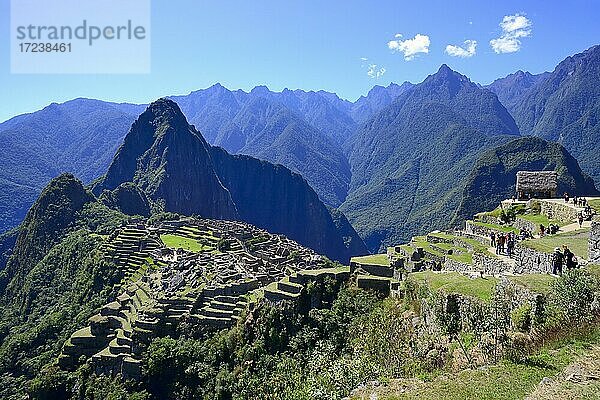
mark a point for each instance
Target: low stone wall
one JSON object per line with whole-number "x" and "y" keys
{"x": 523, "y": 224}
{"x": 558, "y": 210}
{"x": 594, "y": 242}
{"x": 490, "y": 265}
{"x": 483, "y": 240}
{"x": 471, "y": 228}
{"x": 453, "y": 265}
{"x": 488, "y": 219}
{"x": 531, "y": 261}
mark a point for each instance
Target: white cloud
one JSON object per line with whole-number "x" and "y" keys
{"x": 468, "y": 50}
{"x": 512, "y": 23}
{"x": 375, "y": 72}
{"x": 363, "y": 58}
{"x": 513, "y": 27}
{"x": 410, "y": 47}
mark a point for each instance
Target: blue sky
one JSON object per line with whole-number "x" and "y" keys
{"x": 319, "y": 45}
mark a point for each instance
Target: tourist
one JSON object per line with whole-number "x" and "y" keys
{"x": 569, "y": 257}
{"x": 566, "y": 196}
{"x": 580, "y": 219}
{"x": 557, "y": 261}
{"x": 499, "y": 244}
{"x": 575, "y": 200}
{"x": 583, "y": 202}
{"x": 493, "y": 239}
{"x": 510, "y": 245}
{"x": 542, "y": 229}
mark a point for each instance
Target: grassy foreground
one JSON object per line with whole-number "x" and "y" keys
{"x": 506, "y": 380}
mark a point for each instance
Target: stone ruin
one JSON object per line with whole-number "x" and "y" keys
{"x": 210, "y": 288}
{"x": 536, "y": 184}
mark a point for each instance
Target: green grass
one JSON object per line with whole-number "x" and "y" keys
{"x": 477, "y": 246}
{"x": 593, "y": 269}
{"x": 454, "y": 282}
{"x": 595, "y": 204}
{"x": 375, "y": 259}
{"x": 540, "y": 219}
{"x": 334, "y": 270}
{"x": 501, "y": 228}
{"x": 538, "y": 283}
{"x": 576, "y": 240}
{"x": 466, "y": 258}
{"x": 176, "y": 242}
{"x": 506, "y": 380}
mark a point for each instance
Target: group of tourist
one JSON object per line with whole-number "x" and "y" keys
{"x": 503, "y": 242}
{"x": 563, "y": 257}
{"x": 550, "y": 230}
{"x": 580, "y": 201}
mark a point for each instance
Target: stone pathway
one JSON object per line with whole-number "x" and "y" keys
{"x": 575, "y": 226}
{"x": 506, "y": 259}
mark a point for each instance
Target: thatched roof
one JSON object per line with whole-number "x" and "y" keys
{"x": 540, "y": 181}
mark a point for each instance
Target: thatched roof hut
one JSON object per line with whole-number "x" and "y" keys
{"x": 536, "y": 184}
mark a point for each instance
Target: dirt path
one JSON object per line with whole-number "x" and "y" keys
{"x": 580, "y": 380}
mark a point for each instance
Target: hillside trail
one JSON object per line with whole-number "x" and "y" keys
{"x": 579, "y": 380}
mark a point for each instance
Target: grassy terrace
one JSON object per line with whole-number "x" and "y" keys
{"x": 335, "y": 270}
{"x": 454, "y": 282}
{"x": 501, "y": 228}
{"x": 538, "y": 283}
{"x": 375, "y": 259}
{"x": 477, "y": 246}
{"x": 541, "y": 219}
{"x": 595, "y": 204}
{"x": 506, "y": 380}
{"x": 576, "y": 240}
{"x": 176, "y": 242}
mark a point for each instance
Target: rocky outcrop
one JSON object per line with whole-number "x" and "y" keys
{"x": 127, "y": 198}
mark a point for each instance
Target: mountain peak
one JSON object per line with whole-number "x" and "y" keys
{"x": 260, "y": 90}
{"x": 444, "y": 68}
{"x": 162, "y": 112}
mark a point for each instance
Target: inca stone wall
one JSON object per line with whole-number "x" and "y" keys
{"x": 532, "y": 261}
{"x": 489, "y": 264}
{"x": 594, "y": 242}
{"x": 558, "y": 211}
{"x": 521, "y": 224}
{"x": 472, "y": 229}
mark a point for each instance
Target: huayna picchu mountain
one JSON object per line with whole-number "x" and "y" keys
{"x": 180, "y": 172}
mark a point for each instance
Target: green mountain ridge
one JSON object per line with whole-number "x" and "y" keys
{"x": 398, "y": 158}
{"x": 493, "y": 177}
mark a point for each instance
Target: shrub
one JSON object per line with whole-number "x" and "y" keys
{"x": 573, "y": 293}
{"x": 521, "y": 318}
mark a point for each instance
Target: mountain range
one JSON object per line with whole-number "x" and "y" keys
{"x": 397, "y": 161}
